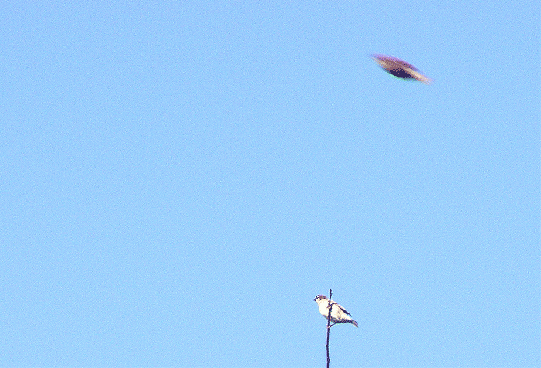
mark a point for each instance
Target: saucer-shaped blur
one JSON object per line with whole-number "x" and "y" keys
{"x": 399, "y": 68}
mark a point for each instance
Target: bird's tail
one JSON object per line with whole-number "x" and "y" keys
{"x": 420, "y": 77}
{"x": 354, "y": 323}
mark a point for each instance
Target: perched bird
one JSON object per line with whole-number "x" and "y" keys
{"x": 400, "y": 68}
{"x": 338, "y": 313}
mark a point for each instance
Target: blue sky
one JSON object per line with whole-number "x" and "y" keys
{"x": 181, "y": 179}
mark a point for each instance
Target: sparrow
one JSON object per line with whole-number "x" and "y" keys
{"x": 338, "y": 313}
{"x": 400, "y": 68}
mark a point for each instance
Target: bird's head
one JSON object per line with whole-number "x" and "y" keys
{"x": 319, "y": 297}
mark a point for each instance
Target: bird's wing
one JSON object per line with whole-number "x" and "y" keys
{"x": 395, "y": 60}
{"x": 343, "y": 309}
{"x": 404, "y": 64}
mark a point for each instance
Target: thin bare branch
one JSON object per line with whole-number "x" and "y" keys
{"x": 329, "y": 327}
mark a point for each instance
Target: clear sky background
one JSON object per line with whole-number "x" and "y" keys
{"x": 179, "y": 180}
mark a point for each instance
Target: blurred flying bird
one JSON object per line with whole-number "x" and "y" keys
{"x": 338, "y": 313}
{"x": 400, "y": 68}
